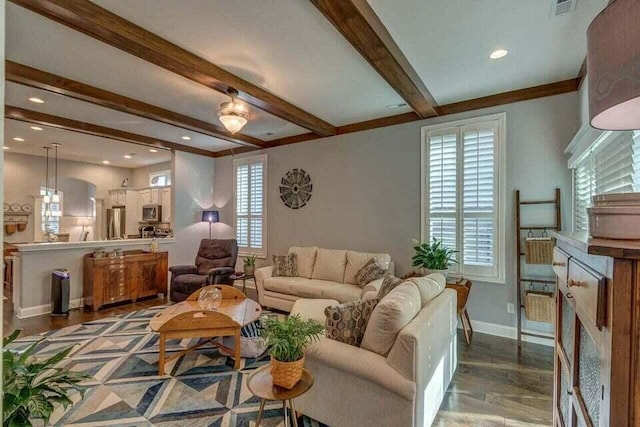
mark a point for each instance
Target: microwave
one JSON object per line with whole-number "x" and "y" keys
{"x": 151, "y": 213}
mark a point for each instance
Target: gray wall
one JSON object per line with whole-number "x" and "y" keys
{"x": 366, "y": 189}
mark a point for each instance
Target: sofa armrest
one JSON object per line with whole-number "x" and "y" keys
{"x": 178, "y": 270}
{"x": 372, "y": 287}
{"x": 261, "y": 275}
{"x": 360, "y": 363}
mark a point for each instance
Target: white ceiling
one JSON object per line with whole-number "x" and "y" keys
{"x": 290, "y": 49}
{"x": 448, "y": 42}
{"x": 78, "y": 146}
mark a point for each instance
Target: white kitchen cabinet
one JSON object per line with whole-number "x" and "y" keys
{"x": 165, "y": 198}
{"x": 149, "y": 196}
{"x": 118, "y": 197}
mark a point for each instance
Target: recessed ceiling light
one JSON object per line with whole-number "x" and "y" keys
{"x": 106, "y": 162}
{"x": 36, "y": 128}
{"x": 36, "y": 100}
{"x": 497, "y": 54}
{"x": 186, "y": 138}
{"x": 153, "y": 150}
{"x": 17, "y": 138}
{"x": 127, "y": 156}
{"x": 6, "y": 148}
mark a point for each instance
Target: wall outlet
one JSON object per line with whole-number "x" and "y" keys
{"x": 511, "y": 308}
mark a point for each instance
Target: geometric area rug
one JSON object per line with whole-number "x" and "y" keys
{"x": 121, "y": 355}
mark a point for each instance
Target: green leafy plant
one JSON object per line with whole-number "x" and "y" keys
{"x": 32, "y": 386}
{"x": 249, "y": 260}
{"x": 288, "y": 338}
{"x": 432, "y": 256}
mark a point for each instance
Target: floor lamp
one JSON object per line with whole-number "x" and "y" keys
{"x": 210, "y": 217}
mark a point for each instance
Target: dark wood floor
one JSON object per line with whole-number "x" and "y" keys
{"x": 494, "y": 385}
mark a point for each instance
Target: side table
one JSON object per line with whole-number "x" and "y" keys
{"x": 261, "y": 384}
{"x": 244, "y": 278}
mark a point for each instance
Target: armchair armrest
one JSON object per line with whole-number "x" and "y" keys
{"x": 178, "y": 270}
{"x": 261, "y": 275}
{"x": 360, "y": 363}
{"x": 220, "y": 270}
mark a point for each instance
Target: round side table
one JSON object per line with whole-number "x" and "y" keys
{"x": 244, "y": 278}
{"x": 260, "y": 384}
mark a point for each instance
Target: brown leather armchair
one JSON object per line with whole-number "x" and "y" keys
{"x": 215, "y": 262}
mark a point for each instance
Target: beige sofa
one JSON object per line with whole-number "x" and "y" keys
{"x": 356, "y": 387}
{"x": 323, "y": 273}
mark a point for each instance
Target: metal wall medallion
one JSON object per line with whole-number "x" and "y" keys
{"x": 295, "y": 188}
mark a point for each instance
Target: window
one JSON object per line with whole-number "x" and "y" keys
{"x": 50, "y": 214}
{"x": 250, "y": 204}
{"x": 160, "y": 179}
{"x": 463, "y": 177}
{"x": 610, "y": 165}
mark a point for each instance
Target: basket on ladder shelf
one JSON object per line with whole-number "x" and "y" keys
{"x": 540, "y": 306}
{"x": 538, "y": 250}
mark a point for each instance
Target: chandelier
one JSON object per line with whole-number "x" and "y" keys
{"x": 233, "y": 114}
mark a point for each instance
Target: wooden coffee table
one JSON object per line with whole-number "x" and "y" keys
{"x": 187, "y": 319}
{"x": 261, "y": 384}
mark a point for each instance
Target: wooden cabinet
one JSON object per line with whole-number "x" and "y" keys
{"x": 134, "y": 275}
{"x": 597, "y": 357}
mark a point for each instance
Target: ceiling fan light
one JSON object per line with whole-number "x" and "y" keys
{"x": 233, "y": 115}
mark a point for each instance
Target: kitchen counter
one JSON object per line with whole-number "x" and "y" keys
{"x": 50, "y": 246}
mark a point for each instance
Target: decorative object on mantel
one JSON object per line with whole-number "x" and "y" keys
{"x": 615, "y": 216}
{"x": 613, "y": 60}
{"x": 125, "y": 183}
{"x": 296, "y": 188}
{"x": 432, "y": 258}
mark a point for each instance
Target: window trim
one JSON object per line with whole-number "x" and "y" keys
{"x": 165, "y": 173}
{"x": 262, "y": 254}
{"x": 500, "y": 176}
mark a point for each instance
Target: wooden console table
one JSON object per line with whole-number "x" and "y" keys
{"x": 134, "y": 275}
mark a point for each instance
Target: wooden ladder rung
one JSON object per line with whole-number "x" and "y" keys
{"x": 538, "y": 202}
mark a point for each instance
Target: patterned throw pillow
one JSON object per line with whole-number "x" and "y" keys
{"x": 389, "y": 283}
{"x": 369, "y": 272}
{"x": 347, "y": 322}
{"x": 285, "y": 265}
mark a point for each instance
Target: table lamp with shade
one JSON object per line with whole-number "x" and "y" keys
{"x": 210, "y": 216}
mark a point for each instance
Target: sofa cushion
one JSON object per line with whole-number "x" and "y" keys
{"x": 347, "y": 322}
{"x": 311, "y": 288}
{"x": 285, "y": 265}
{"x": 371, "y": 271}
{"x": 357, "y": 260}
{"x": 306, "y": 258}
{"x": 389, "y": 283}
{"x": 429, "y": 286}
{"x": 391, "y": 314}
{"x": 330, "y": 264}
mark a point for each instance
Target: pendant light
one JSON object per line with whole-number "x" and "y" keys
{"x": 56, "y": 197}
{"x": 613, "y": 66}
{"x": 46, "y": 199}
{"x": 233, "y": 114}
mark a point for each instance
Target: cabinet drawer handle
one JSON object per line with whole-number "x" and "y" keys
{"x": 558, "y": 264}
{"x": 573, "y": 283}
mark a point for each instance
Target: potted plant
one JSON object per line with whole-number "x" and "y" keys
{"x": 31, "y": 386}
{"x": 249, "y": 263}
{"x": 288, "y": 338}
{"x": 432, "y": 258}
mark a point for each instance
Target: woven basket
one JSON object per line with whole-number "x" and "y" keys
{"x": 286, "y": 374}
{"x": 538, "y": 250}
{"x": 540, "y": 306}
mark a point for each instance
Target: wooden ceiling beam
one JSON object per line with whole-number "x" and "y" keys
{"x": 24, "y": 75}
{"x": 103, "y": 25}
{"x": 519, "y": 95}
{"x": 358, "y": 23}
{"x": 42, "y": 119}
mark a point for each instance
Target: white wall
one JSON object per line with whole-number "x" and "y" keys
{"x": 24, "y": 174}
{"x": 141, "y": 175}
{"x": 366, "y": 189}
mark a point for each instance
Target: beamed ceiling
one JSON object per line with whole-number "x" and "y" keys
{"x": 150, "y": 72}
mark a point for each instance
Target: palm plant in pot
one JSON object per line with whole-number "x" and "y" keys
{"x": 433, "y": 257}
{"x": 249, "y": 264}
{"x": 288, "y": 338}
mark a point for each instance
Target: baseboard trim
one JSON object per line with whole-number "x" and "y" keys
{"x": 39, "y": 310}
{"x": 505, "y": 332}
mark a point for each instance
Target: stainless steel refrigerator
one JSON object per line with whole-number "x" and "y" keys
{"x": 116, "y": 223}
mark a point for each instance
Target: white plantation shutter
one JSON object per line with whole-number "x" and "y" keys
{"x": 250, "y": 189}
{"x": 612, "y": 166}
{"x": 461, "y": 194}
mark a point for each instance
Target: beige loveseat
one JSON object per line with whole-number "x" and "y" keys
{"x": 356, "y": 387}
{"x": 322, "y": 273}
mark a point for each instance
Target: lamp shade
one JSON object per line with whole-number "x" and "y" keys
{"x": 210, "y": 216}
{"x": 613, "y": 66}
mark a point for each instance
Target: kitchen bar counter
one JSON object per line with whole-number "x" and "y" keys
{"x": 55, "y": 246}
